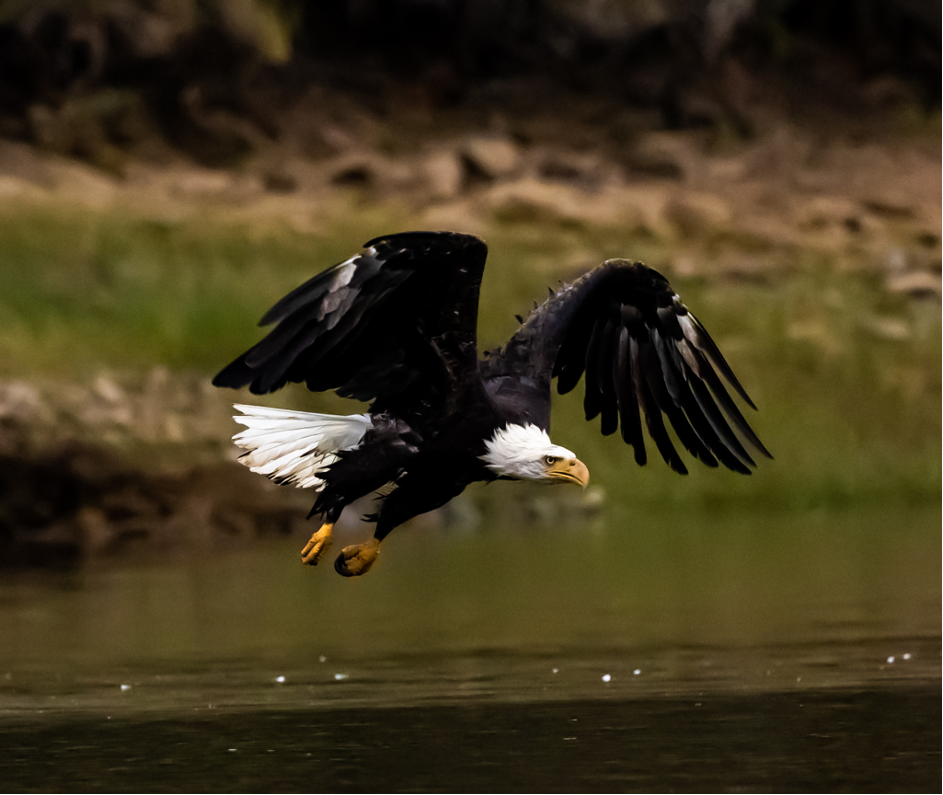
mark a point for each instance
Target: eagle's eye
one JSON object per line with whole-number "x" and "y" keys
{"x": 550, "y": 460}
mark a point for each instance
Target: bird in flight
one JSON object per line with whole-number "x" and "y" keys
{"x": 396, "y": 327}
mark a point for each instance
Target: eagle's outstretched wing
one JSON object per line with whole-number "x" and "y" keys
{"x": 395, "y": 325}
{"x": 645, "y": 357}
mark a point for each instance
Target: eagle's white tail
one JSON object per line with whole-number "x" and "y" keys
{"x": 295, "y": 446}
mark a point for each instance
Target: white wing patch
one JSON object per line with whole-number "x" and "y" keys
{"x": 293, "y": 447}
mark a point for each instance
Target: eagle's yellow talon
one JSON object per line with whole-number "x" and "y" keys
{"x": 317, "y": 545}
{"x": 357, "y": 559}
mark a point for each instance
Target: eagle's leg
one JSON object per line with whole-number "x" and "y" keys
{"x": 321, "y": 539}
{"x": 317, "y": 545}
{"x": 357, "y": 558}
{"x": 415, "y": 493}
{"x": 355, "y": 474}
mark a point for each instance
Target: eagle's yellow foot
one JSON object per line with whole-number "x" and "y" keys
{"x": 357, "y": 559}
{"x": 317, "y": 545}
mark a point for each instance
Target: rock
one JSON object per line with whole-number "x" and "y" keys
{"x": 443, "y": 173}
{"x": 491, "y": 157}
{"x": 531, "y": 199}
{"x": 698, "y": 213}
{"x": 886, "y": 91}
{"x": 565, "y": 165}
{"x": 727, "y": 169}
{"x": 891, "y": 329}
{"x": 279, "y": 181}
{"x": 108, "y": 390}
{"x": 822, "y": 211}
{"x": 817, "y": 333}
{"x": 916, "y": 284}
{"x": 456, "y": 216}
{"x": 17, "y": 189}
{"x": 666, "y": 155}
{"x": 203, "y": 184}
{"x": 73, "y": 502}
{"x": 88, "y": 186}
{"x": 338, "y": 139}
{"x": 644, "y": 208}
{"x": 637, "y": 208}
{"x": 893, "y": 207}
{"x": 95, "y": 533}
{"x": 49, "y": 129}
{"x": 930, "y": 220}
{"x": 366, "y": 169}
{"x": 22, "y": 402}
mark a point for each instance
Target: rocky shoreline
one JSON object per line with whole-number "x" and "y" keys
{"x": 123, "y": 465}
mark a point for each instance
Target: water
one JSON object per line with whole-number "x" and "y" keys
{"x": 729, "y": 652}
{"x": 874, "y": 740}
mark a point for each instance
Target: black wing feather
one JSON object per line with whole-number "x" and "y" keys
{"x": 729, "y": 449}
{"x": 644, "y": 355}
{"x": 609, "y": 422}
{"x": 653, "y": 421}
{"x": 593, "y": 397}
{"x": 627, "y": 397}
{"x": 395, "y": 325}
{"x": 660, "y": 379}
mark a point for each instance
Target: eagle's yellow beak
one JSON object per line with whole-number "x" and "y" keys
{"x": 572, "y": 471}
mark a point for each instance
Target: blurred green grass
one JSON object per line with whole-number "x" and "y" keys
{"x": 846, "y": 376}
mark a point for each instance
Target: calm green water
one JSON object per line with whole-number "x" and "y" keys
{"x": 719, "y": 652}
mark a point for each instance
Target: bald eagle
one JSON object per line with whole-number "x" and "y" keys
{"x": 395, "y": 326}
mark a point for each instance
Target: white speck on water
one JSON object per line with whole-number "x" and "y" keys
{"x": 125, "y": 687}
{"x": 556, "y": 670}
{"x": 890, "y": 659}
{"x": 569, "y": 738}
{"x": 637, "y": 671}
{"x": 280, "y": 679}
{"x": 606, "y": 677}
{"x": 338, "y": 677}
{"x": 322, "y": 659}
{"x": 907, "y": 656}
{"x": 231, "y": 750}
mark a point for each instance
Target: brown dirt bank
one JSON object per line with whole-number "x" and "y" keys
{"x": 103, "y": 470}
{"x": 859, "y": 196}
{"x": 80, "y": 502}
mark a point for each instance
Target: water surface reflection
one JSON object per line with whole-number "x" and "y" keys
{"x": 754, "y": 651}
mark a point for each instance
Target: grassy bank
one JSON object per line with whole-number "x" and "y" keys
{"x": 846, "y": 375}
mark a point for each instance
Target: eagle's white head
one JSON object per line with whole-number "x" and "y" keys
{"x": 525, "y": 452}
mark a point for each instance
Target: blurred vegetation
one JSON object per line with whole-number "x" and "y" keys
{"x": 212, "y": 77}
{"x": 849, "y": 409}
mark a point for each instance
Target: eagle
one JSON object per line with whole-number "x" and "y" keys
{"x": 396, "y": 327}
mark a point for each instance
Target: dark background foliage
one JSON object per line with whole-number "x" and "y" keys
{"x": 136, "y": 66}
